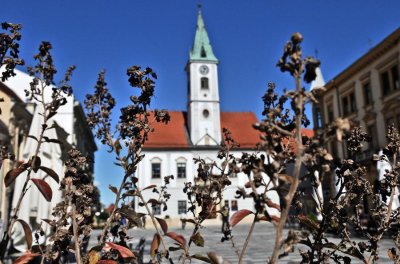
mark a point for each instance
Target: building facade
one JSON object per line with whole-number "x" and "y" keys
{"x": 196, "y": 133}
{"x": 368, "y": 94}
{"x": 21, "y": 118}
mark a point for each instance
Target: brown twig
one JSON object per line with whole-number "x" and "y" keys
{"x": 297, "y": 167}
{"x": 246, "y": 242}
{"x": 76, "y": 236}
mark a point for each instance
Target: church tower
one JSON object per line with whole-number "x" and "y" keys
{"x": 203, "y": 95}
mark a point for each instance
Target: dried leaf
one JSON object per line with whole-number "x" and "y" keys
{"x": 52, "y": 140}
{"x": 286, "y": 178}
{"x": 94, "y": 256}
{"x": 123, "y": 251}
{"x": 113, "y": 189}
{"x": 190, "y": 221}
{"x": 215, "y": 258}
{"x": 35, "y": 164}
{"x": 392, "y": 254}
{"x": 132, "y": 215}
{"x": 149, "y": 187}
{"x": 14, "y": 173}
{"x": 273, "y": 205}
{"x": 50, "y": 222}
{"x": 308, "y": 222}
{"x": 44, "y": 188}
{"x": 178, "y": 238}
{"x": 117, "y": 146}
{"x": 51, "y": 114}
{"x": 33, "y": 137}
{"x": 134, "y": 179}
{"x": 328, "y": 156}
{"x": 201, "y": 257}
{"x": 107, "y": 261}
{"x": 26, "y": 258}
{"x": 247, "y": 184}
{"x": 154, "y": 245}
{"x": 163, "y": 224}
{"x": 51, "y": 173}
{"x": 197, "y": 239}
{"x": 27, "y": 231}
{"x": 270, "y": 218}
{"x": 238, "y": 216}
{"x": 153, "y": 201}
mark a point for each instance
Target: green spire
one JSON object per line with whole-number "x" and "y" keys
{"x": 202, "y": 50}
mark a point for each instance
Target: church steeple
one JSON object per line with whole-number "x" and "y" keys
{"x": 202, "y": 49}
{"x": 203, "y": 96}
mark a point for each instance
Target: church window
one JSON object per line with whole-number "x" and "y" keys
{"x": 204, "y": 83}
{"x": 156, "y": 170}
{"x": 156, "y": 209}
{"x": 390, "y": 80}
{"x": 182, "y": 207}
{"x": 181, "y": 170}
{"x": 330, "y": 113}
{"x": 367, "y": 93}
{"x": 349, "y": 104}
{"x": 234, "y": 205}
{"x": 206, "y": 113}
{"x": 318, "y": 117}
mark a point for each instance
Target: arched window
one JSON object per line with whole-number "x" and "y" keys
{"x": 206, "y": 113}
{"x": 204, "y": 83}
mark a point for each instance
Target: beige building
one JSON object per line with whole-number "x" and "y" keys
{"x": 15, "y": 121}
{"x": 368, "y": 93}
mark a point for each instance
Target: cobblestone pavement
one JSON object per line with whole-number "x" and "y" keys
{"x": 259, "y": 248}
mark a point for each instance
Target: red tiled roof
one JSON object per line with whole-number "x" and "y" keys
{"x": 172, "y": 135}
{"x": 307, "y": 132}
{"x": 175, "y": 133}
{"x": 240, "y": 124}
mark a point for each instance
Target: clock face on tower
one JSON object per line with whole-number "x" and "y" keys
{"x": 203, "y": 69}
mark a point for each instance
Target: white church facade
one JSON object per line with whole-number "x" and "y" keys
{"x": 194, "y": 133}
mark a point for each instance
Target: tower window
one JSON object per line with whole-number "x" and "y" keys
{"x": 204, "y": 83}
{"x": 203, "y": 53}
{"x": 206, "y": 113}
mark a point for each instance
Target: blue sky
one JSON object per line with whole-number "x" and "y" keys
{"x": 247, "y": 37}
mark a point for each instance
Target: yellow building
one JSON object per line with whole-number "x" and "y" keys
{"x": 367, "y": 93}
